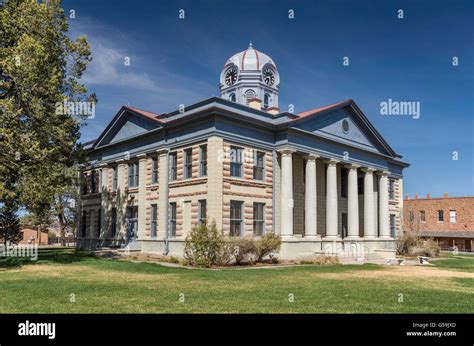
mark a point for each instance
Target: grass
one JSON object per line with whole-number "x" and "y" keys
{"x": 101, "y": 285}
{"x": 457, "y": 262}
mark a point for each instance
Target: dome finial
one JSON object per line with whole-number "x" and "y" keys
{"x": 250, "y": 44}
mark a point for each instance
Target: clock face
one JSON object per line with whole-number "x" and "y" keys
{"x": 268, "y": 76}
{"x": 231, "y": 75}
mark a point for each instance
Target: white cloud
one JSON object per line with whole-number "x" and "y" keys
{"x": 108, "y": 68}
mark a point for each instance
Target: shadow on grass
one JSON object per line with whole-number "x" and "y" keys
{"x": 48, "y": 255}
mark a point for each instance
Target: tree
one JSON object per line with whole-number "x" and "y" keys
{"x": 65, "y": 202}
{"x": 40, "y": 68}
{"x": 9, "y": 223}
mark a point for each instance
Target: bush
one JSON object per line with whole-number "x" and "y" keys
{"x": 204, "y": 246}
{"x": 268, "y": 243}
{"x": 428, "y": 248}
{"x": 412, "y": 245}
{"x": 405, "y": 242}
{"x": 243, "y": 249}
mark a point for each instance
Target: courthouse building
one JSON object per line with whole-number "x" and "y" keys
{"x": 322, "y": 177}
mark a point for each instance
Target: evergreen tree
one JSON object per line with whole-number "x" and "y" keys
{"x": 9, "y": 223}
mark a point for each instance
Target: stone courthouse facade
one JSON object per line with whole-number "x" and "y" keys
{"x": 321, "y": 178}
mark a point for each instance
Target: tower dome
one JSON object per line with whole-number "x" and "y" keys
{"x": 248, "y": 75}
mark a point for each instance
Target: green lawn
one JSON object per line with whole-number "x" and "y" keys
{"x": 111, "y": 286}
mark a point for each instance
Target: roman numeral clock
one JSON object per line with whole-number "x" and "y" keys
{"x": 250, "y": 74}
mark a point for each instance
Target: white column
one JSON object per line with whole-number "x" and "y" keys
{"x": 331, "y": 200}
{"x": 384, "y": 227}
{"x": 310, "y": 198}
{"x": 286, "y": 193}
{"x": 369, "y": 226}
{"x": 352, "y": 203}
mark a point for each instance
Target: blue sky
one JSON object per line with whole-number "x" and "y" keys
{"x": 174, "y": 61}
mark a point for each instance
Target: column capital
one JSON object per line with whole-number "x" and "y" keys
{"x": 368, "y": 170}
{"x": 141, "y": 156}
{"x": 120, "y": 161}
{"x": 162, "y": 151}
{"x": 352, "y": 166}
{"x": 311, "y": 157}
{"x": 286, "y": 151}
{"x": 383, "y": 173}
{"x": 331, "y": 162}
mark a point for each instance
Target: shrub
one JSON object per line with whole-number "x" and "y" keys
{"x": 268, "y": 243}
{"x": 405, "y": 242}
{"x": 428, "y": 248}
{"x": 203, "y": 246}
{"x": 243, "y": 249}
{"x": 410, "y": 244}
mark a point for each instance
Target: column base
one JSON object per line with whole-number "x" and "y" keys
{"x": 332, "y": 238}
{"x": 386, "y": 237}
{"x": 369, "y": 237}
{"x": 353, "y": 238}
{"x": 312, "y": 237}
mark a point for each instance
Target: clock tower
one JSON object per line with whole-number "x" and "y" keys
{"x": 248, "y": 75}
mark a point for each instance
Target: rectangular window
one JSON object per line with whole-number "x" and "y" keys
{"x": 452, "y": 216}
{"x": 114, "y": 179}
{"x": 173, "y": 166}
{"x": 235, "y": 218}
{"x": 99, "y": 222}
{"x": 154, "y": 170}
{"x": 203, "y": 160}
{"x": 114, "y": 222}
{"x": 93, "y": 182}
{"x": 84, "y": 224}
{"x": 258, "y": 165}
{"x": 411, "y": 216}
{"x": 422, "y": 216}
{"x": 391, "y": 189}
{"x": 440, "y": 216}
{"x": 344, "y": 182}
{"x": 258, "y": 218}
{"x": 392, "y": 225}
{"x": 133, "y": 174}
{"x": 154, "y": 218}
{"x": 188, "y": 163}
{"x": 173, "y": 219}
{"x": 202, "y": 211}
{"x": 236, "y": 162}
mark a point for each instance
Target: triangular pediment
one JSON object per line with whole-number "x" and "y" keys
{"x": 347, "y": 125}
{"x": 126, "y": 124}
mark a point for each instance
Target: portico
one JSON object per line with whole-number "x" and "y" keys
{"x": 365, "y": 210}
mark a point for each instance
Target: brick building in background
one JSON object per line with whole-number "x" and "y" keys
{"x": 30, "y": 235}
{"x": 449, "y": 220}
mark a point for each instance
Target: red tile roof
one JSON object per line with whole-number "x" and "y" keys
{"x": 150, "y": 115}
{"x": 318, "y": 110}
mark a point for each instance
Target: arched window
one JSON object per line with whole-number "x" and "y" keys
{"x": 266, "y": 100}
{"x": 249, "y": 94}
{"x": 232, "y": 97}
